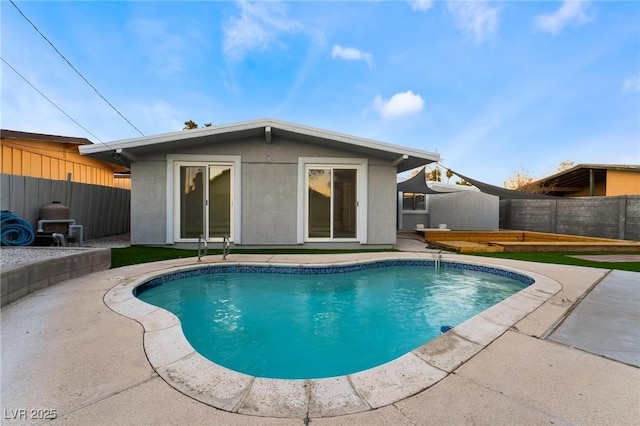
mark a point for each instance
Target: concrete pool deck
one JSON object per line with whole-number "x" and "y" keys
{"x": 63, "y": 349}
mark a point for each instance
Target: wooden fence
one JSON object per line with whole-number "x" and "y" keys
{"x": 101, "y": 210}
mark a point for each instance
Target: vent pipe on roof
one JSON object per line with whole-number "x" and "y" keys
{"x": 592, "y": 183}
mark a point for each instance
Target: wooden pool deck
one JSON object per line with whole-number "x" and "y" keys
{"x": 517, "y": 241}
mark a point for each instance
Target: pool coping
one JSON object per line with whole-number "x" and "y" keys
{"x": 183, "y": 368}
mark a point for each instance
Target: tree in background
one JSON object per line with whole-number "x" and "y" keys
{"x": 449, "y": 175}
{"x": 188, "y": 125}
{"x": 522, "y": 180}
{"x": 434, "y": 175}
{"x": 565, "y": 165}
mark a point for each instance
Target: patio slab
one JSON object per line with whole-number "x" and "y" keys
{"x": 607, "y": 321}
{"x": 63, "y": 349}
{"x": 562, "y": 382}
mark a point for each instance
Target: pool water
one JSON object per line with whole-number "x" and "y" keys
{"x": 295, "y": 326}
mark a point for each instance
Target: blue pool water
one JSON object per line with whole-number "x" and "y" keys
{"x": 308, "y": 325}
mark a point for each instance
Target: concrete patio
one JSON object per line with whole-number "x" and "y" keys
{"x": 64, "y": 350}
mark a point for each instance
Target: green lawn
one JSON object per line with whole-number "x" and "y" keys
{"x": 565, "y": 258}
{"x": 140, "y": 254}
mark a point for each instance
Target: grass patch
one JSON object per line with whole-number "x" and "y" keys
{"x": 140, "y": 254}
{"x": 135, "y": 255}
{"x": 565, "y": 258}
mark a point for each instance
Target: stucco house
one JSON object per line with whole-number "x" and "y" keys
{"x": 263, "y": 183}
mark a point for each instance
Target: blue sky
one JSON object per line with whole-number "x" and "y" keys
{"x": 494, "y": 87}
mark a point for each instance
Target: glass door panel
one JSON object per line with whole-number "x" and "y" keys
{"x": 219, "y": 201}
{"x": 344, "y": 203}
{"x": 319, "y": 219}
{"x": 191, "y": 201}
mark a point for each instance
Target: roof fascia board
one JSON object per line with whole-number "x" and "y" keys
{"x": 354, "y": 140}
{"x": 167, "y": 137}
{"x": 256, "y": 124}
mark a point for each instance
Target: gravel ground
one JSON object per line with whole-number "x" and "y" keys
{"x": 11, "y": 256}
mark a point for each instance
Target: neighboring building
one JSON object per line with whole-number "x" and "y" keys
{"x": 57, "y": 158}
{"x": 429, "y": 204}
{"x": 586, "y": 180}
{"x": 262, "y": 183}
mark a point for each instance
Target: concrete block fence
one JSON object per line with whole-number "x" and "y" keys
{"x": 605, "y": 217}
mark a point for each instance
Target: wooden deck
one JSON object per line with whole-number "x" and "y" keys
{"x": 514, "y": 241}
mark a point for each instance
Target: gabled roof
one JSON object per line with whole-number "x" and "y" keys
{"x": 15, "y": 134}
{"x": 129, "y": 149}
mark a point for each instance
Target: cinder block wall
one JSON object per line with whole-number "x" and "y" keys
{"x": 606, "y": 217}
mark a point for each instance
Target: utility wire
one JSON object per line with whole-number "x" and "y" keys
{"x": 52, "y": 103}
{"x": 74, "y": 68}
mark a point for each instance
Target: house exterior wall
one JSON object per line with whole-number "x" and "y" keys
{"x": 269, "y": 197}
{"x": 382, "y": 204}
{"x": 148, "y": 202}
{"x": 465, "y": 211}
{"x": 269, "y": 192}
{"x": 621, "y": 182}
{"x": 54, "y": 160}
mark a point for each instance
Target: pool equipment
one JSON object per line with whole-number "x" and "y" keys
{"x": 55, "y": 221}
{"x": 15, "y": 230}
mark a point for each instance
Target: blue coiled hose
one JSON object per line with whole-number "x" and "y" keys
{"x": 17, "y": 228}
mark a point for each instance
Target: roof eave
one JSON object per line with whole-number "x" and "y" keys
{"x": 415, "y": 158}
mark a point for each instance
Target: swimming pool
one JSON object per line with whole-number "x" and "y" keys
{"x": 175, "y": 360}
{"x": 310, "y": 322}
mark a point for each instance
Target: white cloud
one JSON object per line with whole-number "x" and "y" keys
{"x": 351, "y": 54}
{"x": 571, "y": 12}
{"x": 632, "y": 84}
{"x": 256, "y": 27}
{"x": 421, "y": 5}
{"x": 476, "y": 19}
{"x": 400, "y": 104}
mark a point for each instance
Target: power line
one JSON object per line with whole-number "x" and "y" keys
{"x": 52, "y": 103}
{"x": 74, "y": 68}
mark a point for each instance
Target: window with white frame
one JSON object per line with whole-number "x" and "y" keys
{"x": 331, "y": 202}
{"x": 204, "y": 198}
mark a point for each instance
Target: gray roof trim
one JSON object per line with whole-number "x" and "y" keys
{"x": 415, "y": 155}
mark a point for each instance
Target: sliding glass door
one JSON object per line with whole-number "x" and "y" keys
{"x": 205, "y": 196}
{"x": 331, "y": 203}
